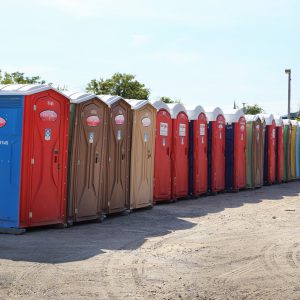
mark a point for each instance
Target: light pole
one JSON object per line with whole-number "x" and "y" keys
{"x": 288, "y": 71}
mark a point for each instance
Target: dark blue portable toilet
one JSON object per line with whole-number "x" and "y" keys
{"x": 197, "y": 150}
{"x": 11, "y": 120}
{"x": 229, "y": 157}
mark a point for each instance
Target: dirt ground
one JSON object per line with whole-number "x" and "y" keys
{"x": 232, "y": 246}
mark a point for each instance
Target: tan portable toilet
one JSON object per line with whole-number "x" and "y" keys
{"x": 118, "y": 154}
{"x": 142, "y": 154}
{"x": 87, "y": 159}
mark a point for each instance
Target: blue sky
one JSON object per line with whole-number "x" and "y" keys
{"x": 202, "y": 52}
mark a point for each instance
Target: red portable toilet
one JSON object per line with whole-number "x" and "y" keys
{"x": 180, "y": 162}
{"x": 197, "y": 150}
{"x": 216, "y": 149}
{"x": 163, "y": 148}
{"x": 279, "y": 157}
{"x": 42, "y": 165}
{"x": 269, "y": 148}
{"x": 235, "y": 150}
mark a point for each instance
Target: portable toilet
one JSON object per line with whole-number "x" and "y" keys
{"x": 87, "y": 157}
{"x": 298, "y": 152}
{"x": 293, "y": 148}
{"x": 180, "y": 163}
{"x": 118, "y": 155}
{"x": 34, "y": 126}
{"x": 262, "y": 150}
{"x": 197, "y": 150}
{"x": 253, "y": 151}
{"x": 287, "y": 149}
{"x": 235, "y": 153}
{"x": 279, "y": 157}
{"x": 269, "y": 149}
{"x": 162, "y": 190}
{"x": 142, "y": 154}
{"x": 216, "y": 149}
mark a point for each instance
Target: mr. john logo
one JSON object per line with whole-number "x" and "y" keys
{"x": 2, "y": 122}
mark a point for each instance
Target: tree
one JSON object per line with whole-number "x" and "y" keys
{"x": 18, "y": 77}
{"x": 253, "y": 109}
{"x": 123, "y": 85}
{"x": 169, "y": 100}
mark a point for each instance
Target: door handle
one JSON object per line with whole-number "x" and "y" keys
{"x": 56, "y": 158}
{"x": 97, "y": 158}
{"x": 149, "y": 154}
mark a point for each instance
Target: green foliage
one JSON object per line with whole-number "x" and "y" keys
{"x": 169, "y": 100}
{"x": 19, "y": 78}
{"x": 253, "y": 109}
{"x": 123, "y": 85}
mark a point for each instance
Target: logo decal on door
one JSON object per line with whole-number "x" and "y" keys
{"x": 93, "y": 121}
{"x": 146, "y": 122}
{"x": 47, "y": 134}
{"x": 2, "y": 122}
{"x": 119, "y": 119}
{"x": 182, "y": 129}
{"x": 48, "y": 115}
{"x": 202, "y": 129}
{"x": 163, "y": 129}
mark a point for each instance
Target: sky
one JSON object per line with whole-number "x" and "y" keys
{"x": 208, "y": 52}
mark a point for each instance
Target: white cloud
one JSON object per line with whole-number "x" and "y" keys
{"x": 174, "y": 57}
{"x": 138, "y": 40}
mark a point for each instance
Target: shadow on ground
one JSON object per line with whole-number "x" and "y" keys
{"x": 127, "y": 232}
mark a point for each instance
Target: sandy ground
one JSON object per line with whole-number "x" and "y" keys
{"x": 232, "y": 246}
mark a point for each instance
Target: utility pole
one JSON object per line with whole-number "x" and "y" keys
{"x": 288, "y": 71}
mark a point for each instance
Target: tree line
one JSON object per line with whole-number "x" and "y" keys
{"x": 120, "y": 84}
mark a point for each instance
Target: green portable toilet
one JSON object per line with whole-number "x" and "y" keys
{"x": 287, "y": 149}
{"x": 262, "y": 147}
{"x": 254, "y": 147}
{"x": 293, "y": 148}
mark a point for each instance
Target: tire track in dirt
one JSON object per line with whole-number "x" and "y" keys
{"x": 293, "y": 256}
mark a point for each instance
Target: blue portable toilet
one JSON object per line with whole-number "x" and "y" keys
{"x": 11, "y": 120}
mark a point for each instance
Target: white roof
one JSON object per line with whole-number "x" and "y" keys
{"x": 78, "y": 97}
{"x": 294, "y": 123}
{"x": 24, "y": 89}
{"x": 286, "y": 121}
{"x": 251, "y": 118}
{"x": 212, "y": 113}
{"x": 194, "y": 111}
{"x": 267, "y": 117}
{"x": 175, "y": 109}
{"x": 233, "y": 115}
{"x": 278, "y": 120}
{"x": 136, "y": 104}
{"x": 109, "y": 99}
{"x": 158, "y": 104}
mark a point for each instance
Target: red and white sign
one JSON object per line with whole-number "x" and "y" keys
{"x": 119, "y": 119}
{"x": 93, "y": 121}
{"x": 146, "y": 122}
{"x": 48, "y": 115}
{"x": 2, "y": 122}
